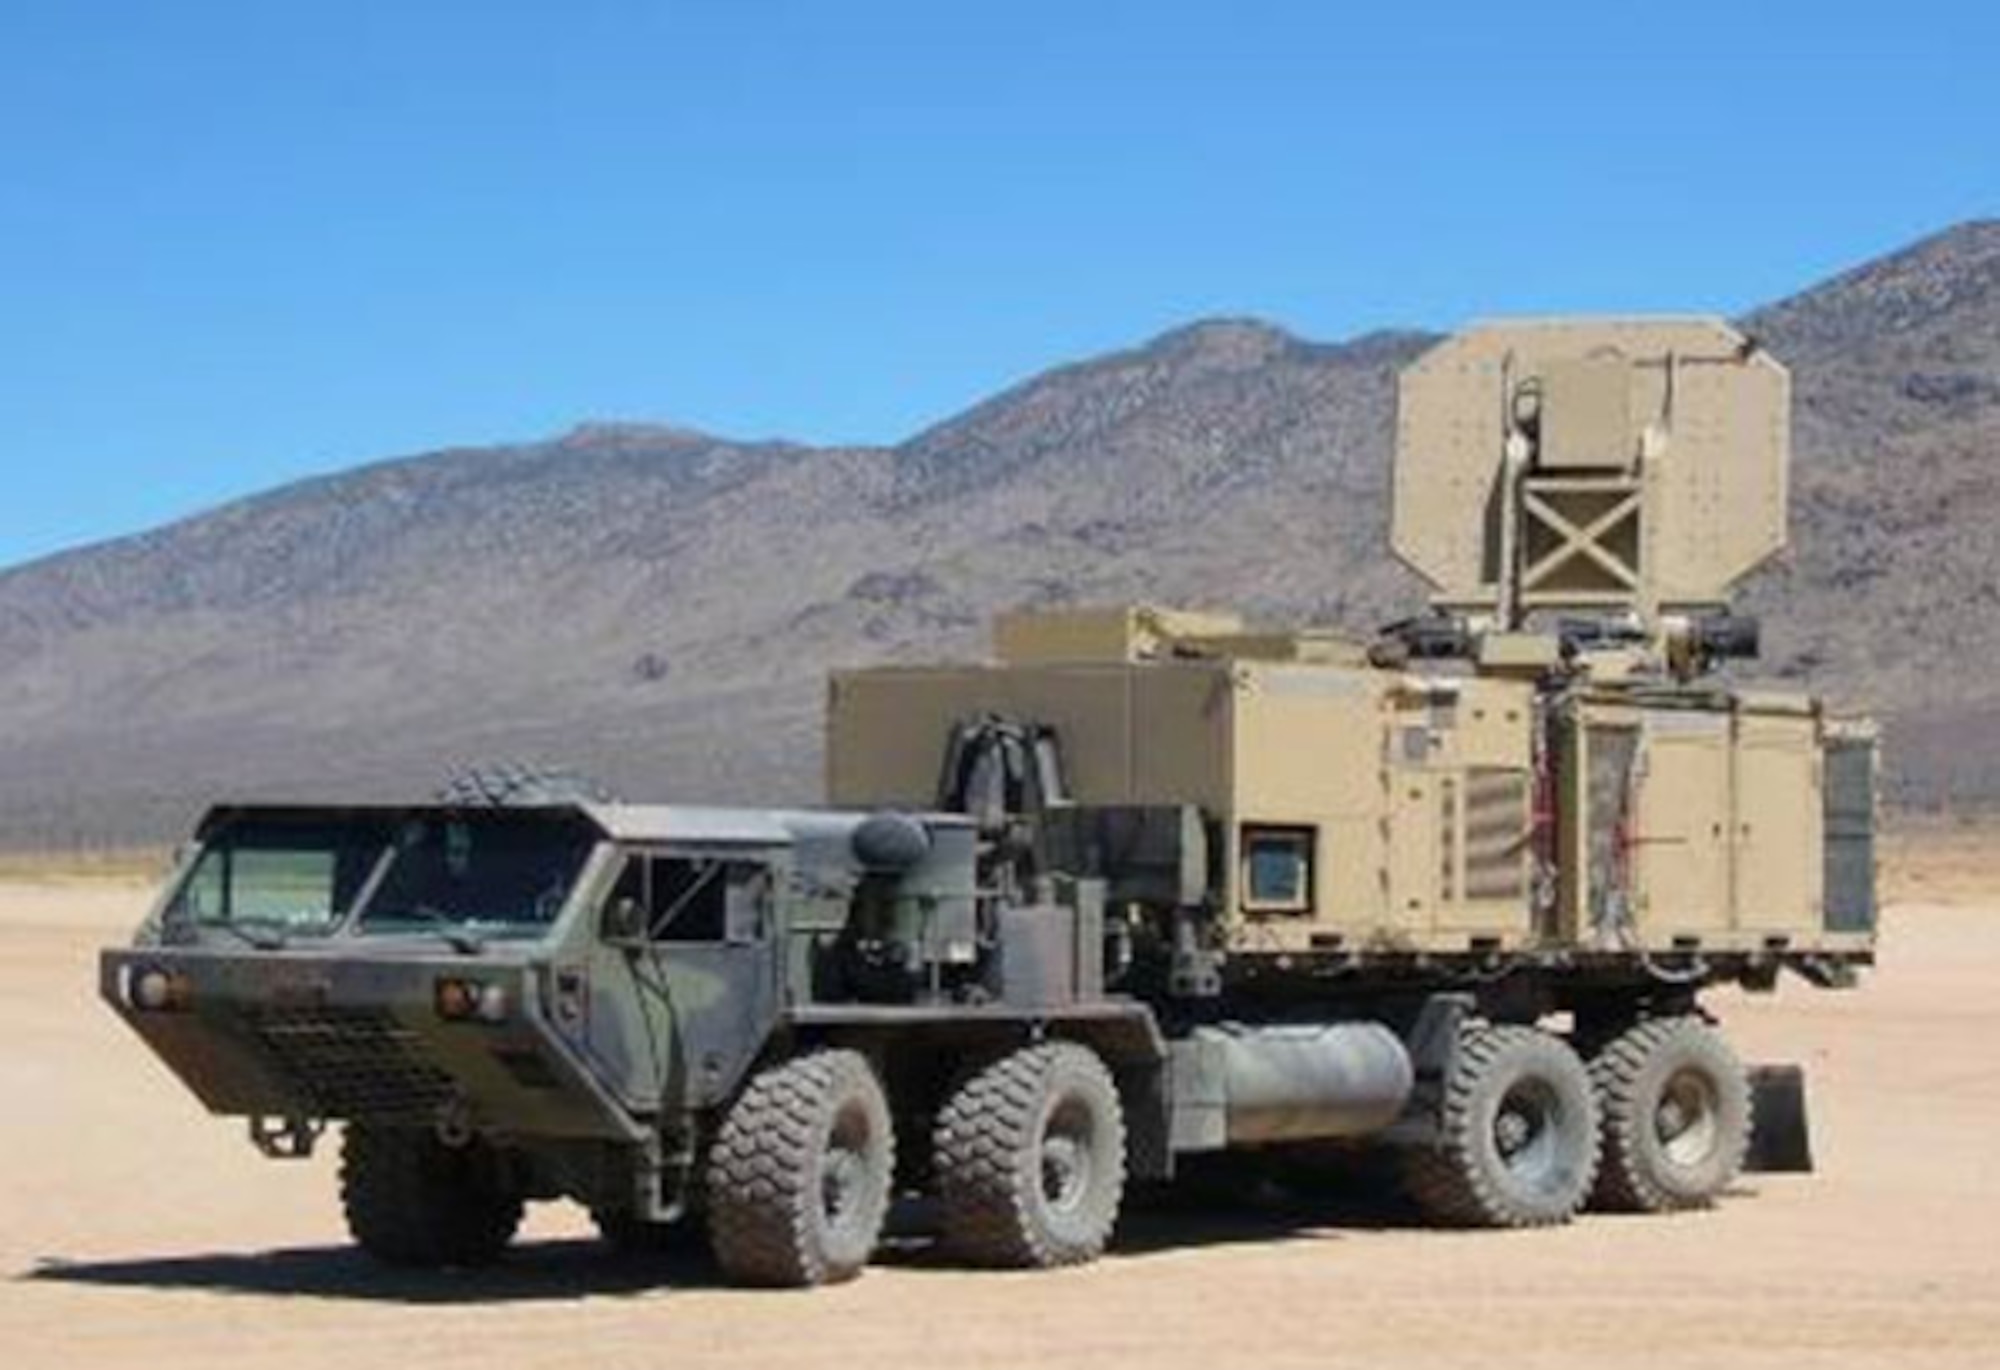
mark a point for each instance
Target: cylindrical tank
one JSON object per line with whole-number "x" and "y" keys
{"x": 1300, "y": 1082}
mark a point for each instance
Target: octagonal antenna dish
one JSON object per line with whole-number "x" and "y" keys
{"x": 1613, "y": 466}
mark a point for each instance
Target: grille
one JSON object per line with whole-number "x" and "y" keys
{"x": 1496, "y": 833}
{"x": 1849, "y": 856}
{"x": 351, "y": 1063}
{"x": 1447, "y": 841}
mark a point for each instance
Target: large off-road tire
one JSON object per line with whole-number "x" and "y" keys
{"x": 1517, "y": 1134}
{"x": 799, "y": 1176}
{"x": 509, "y": 784}
{"x": 1030, "y": 1158}
{"x": 1677, "y": 1116}
{"x": 410, "y": 1200}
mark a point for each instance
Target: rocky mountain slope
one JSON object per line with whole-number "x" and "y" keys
{"x": 660, "y": 605}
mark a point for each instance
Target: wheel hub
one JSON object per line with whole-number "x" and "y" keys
{"x": 844, "y": 1171}
{"x": 1686, "y": 1119}
{"x": 840, "y": 1182}
{"x": 1524, "y": 1130}
{"x": 1065, "y": 1159}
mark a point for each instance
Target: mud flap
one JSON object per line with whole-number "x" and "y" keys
{"x": 1780, "y": 1137}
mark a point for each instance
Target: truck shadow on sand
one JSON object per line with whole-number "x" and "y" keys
{"x": 531, "y": 1271}
{"x": 572, "y": 1269}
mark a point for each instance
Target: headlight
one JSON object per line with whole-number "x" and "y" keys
{"x": 493, "y": 1003}
{"x": 459, "y": 999}
{"x": 155, "y": 989}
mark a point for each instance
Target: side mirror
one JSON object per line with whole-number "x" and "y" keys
{"x": 625, "y": 921}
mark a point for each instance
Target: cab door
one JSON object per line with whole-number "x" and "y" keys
{"x": 690, "y": 995}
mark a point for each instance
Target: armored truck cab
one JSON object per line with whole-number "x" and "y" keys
{"x": 565, "y": 999}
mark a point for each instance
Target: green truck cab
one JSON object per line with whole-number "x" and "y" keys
{"x": 568, "y": 1000}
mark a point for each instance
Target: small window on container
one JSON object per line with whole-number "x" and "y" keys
{"x": 1278, "y": 870}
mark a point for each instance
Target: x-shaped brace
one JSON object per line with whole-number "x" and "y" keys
{"x": 1587, "y": 540}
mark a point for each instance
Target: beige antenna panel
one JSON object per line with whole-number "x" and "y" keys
{"x": 1647, "y": 469}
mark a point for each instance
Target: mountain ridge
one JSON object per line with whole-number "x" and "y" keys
{"x": 660, "y": 603}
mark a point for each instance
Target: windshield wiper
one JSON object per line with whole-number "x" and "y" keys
{"x": 461, "y": 939}
{"x": 265, "y": 936}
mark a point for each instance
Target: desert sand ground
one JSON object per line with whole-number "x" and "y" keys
{"x": 136, "y": 1230}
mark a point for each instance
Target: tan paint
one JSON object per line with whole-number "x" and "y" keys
{"x": 1335, "y": 749}
{"x": 1776, "y": 812}
{"x": 1678, "y": 412}
{"x": 1680, "y": 836}
{"x": 1138, "y": 632}
{"x": 1417, "y": 789}
{"x": 1635, "y": 468}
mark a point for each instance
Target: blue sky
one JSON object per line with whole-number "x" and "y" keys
{"x": 244, "y": 242}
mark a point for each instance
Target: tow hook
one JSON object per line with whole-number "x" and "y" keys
{"x": 285, "y": 1139}
{"x": 453, "y": 1124}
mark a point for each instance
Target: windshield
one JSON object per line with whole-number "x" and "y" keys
{"x": 503, "y": 873}
{"x": 499, "y": 871}
{"x": 290, "y": 877}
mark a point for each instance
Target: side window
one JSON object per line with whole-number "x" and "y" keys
{"x": 202, "y": 897}
{"x": 688, "y": 899}
{"x": 1278, "y": 869}
{"x": 623, "y": 915}
{"x": 747, "y": 901}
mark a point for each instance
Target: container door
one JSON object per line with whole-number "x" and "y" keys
{"x": 1777, "y": 826}
{"x": 1680, "y": 841}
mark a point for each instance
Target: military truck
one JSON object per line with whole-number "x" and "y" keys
{"x": 1148, "y": 885}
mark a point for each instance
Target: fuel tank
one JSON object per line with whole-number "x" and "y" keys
{"x": 1305, "y": 1081}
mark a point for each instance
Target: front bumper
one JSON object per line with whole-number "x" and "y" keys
{"x": 304, "y": 1035}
